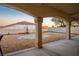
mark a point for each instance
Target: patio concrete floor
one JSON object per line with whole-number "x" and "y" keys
{"x": 56, "y": 48}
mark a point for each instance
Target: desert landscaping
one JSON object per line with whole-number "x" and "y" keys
{"x": 15, "y": 42}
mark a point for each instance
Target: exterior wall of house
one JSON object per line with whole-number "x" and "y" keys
{"x": 63, "y": 29}
{"x": 18, "y": 29}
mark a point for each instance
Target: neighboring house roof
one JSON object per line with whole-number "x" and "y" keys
{"x": 18, "y": 23}
{"x": 44, "y": 27}
{"x": 1, "y": 26}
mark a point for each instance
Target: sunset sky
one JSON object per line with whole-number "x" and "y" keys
{"x": 9, "y": 16}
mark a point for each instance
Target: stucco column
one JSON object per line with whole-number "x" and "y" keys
{"x": 38, "y": 21}
{"x": 78, "y": 26}
{"x": 69, "y": 30}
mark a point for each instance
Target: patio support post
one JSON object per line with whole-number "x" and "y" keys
{"x": 38, "y": 21}
{"x": 69, "y": 30}
{"x": 78, "y": 26}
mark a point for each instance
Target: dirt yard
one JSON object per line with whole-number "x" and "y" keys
{"x": 10, "y": 43}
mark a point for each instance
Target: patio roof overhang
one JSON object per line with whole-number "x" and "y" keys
{"x": 69, "y": 11}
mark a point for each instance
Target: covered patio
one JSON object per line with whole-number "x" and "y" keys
{"x": 56, "y": 48}
{"x": 70, "y": 12}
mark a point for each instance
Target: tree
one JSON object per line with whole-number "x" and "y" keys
{"x": 74, "y": 24}
{"x": 59, "y": 21}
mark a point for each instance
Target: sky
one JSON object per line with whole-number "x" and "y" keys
{"x": 10, "y": 16}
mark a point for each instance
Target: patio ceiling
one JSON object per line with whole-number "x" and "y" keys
{"x": 71, "y": 9}
{"x": 66, "y": 10}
